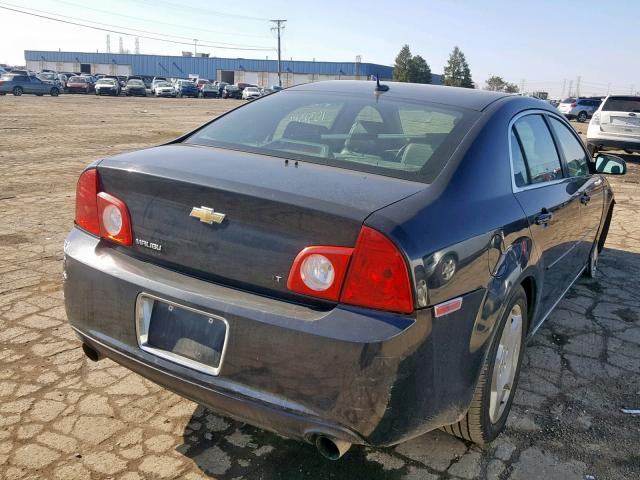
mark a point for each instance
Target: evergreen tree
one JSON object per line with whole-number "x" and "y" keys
{"x": 419, "y": 70}
{"x": 403, "y": 65}
{"x": 457, "y": 72}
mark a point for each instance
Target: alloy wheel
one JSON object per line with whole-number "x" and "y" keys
{"x": 505, "y": 364}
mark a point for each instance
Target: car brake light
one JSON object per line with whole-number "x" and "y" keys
{"x": 595, "y": 119}
{"x": 378, "y": 276}
{"x": 87, "y": 202}
{"x": 574, "y": 105}
{"x": 101, "y": 213}
{"x": 374, "y": 274}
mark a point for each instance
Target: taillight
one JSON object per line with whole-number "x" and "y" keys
{"x": 101, "y": 213}
{"x": 115, "y": 223}
{"x": 595, "y": 119}
{"x": 573, "y": 105}
{"x": 378, "y": 276}
{"x": 87, "y": 202}
{"x": 372, "y": 275}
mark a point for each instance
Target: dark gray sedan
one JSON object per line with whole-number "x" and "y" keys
{"x": 19, "y": 84}
{"x": 342, "y": 262}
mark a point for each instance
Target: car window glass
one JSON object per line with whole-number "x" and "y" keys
{"x": 421, "y": 122}
{"x": 622, "y": 104}
{"x": 320, "y": 114}
{"x": 572, "y": 150}
{"x": 520, "y": 175}
{"x": 539, "y": 150}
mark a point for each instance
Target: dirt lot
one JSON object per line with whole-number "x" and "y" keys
{"x": 63, "y": 417}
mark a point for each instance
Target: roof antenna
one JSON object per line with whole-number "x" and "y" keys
{"x": 380, "y": 88}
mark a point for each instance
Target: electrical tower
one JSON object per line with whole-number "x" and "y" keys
{"x": 137, "y": 47}
{"x": 108, "y": 43}
{"x": 120, "y": 45}
{"x": 278, "y": 28}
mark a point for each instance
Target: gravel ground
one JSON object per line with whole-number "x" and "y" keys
{"x": 65, "y": 418}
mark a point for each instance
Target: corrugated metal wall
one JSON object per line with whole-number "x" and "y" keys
{"x": 207, "y": 67}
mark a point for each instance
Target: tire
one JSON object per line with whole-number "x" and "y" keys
{"x": 482, "y": 424}
{"x": 582, "y": 117}
{"x": 17, "y": 91}
{"x": 592, "y": 265}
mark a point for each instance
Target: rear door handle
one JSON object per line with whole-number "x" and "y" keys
{"x": 544, "y": 217}
{"x": 584, "y": 199}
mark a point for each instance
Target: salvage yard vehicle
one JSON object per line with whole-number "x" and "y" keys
{"x": 107, "y": 86}
{"x": 164, "y": 89}
{"x": 616, "y": 124}
{"x": 186, "y": 88}
{"x": 281, "y": 272}
{"x": 135, "y": 87}
{"x": 250, "y": 93}
{"x": 231, "y": 91}
{"x": 579, "y": 108}
{"x": 209, "y": 90}
{"x": 78, "y": 84}
{"x": 19, "y": 84}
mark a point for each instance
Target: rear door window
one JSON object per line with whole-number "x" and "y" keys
{"x": 622, "y": 104}
{"x": 574, "y": 155}
{"x": 539, "y": 150}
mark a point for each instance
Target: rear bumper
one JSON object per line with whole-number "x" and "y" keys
{"x": 363, "y": 376}
{"x": 613, "y": 141}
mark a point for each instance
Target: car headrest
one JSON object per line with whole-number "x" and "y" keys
{"x": 304, "y": 131}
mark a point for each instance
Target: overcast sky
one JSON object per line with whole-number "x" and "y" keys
{"x": 544, "y": 43}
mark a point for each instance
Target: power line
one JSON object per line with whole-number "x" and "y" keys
{"x": 209, "y": 11}
{"x": 112, "y": 30}
{"x": 146, "y": 20}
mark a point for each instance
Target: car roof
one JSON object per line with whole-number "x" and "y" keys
{"x": 457, "y": 97}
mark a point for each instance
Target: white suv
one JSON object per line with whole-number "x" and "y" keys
{"x": 615, "y": 125}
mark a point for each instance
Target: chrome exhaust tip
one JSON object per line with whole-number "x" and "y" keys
{"x": 331, "y": 448}
{"x": 91, "y": 353}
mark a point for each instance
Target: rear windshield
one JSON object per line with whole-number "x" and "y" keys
{"x": 77, "y": 80}
{"x": 568, "y": 100}
{"x": 622, "y": 104}
{"x": 395, "y": 137}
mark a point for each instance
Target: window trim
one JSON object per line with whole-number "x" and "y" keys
{"x": 543, "y": 114}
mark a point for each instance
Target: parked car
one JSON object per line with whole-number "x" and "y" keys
{"x": 19, "y": 84}
{"x": 200, "y": 82}
{"x": 209, "y": 90}
{"x": 249, "y": 93}
{"x": 579, "y": 108}
{"x": 79, "y": 84}
{"x": 164, "y": 89}
{"x": 615, "y": 125}
{"x": 155, "y": 81}
{"x": 186, "y": 88}
{"x": 298, "y": 299}
{"x": 231, "y": 91}
{"x": 50, "y": 78}
{"x": 107, "y": 86}
{"x": 135, "y": 87}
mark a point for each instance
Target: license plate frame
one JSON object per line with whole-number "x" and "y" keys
{"x": 144, "y": 309}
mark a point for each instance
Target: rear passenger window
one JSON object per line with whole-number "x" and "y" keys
{"x": 571, "y": 149}
{"x": 539, "y": 150}
{"x": 520, "y": 174}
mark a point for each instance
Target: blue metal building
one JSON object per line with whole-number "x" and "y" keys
{"x": 233, "y": 70}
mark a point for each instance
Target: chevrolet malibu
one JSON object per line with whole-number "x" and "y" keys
{"x": 343, "y": 262}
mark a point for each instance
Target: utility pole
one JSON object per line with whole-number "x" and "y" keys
{"x": 570, "y": 86}
{"x": 564, "y": 85}
{"x": 578, "y": 87}
{"x": 108, "y": 43}
{"x": 279, "y": 26}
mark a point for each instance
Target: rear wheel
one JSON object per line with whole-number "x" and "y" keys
{"x": 17, "y": 91}
{"x": 54, "y": 92}
{"x": 496, "y": 387}
{"x": 582, "y": 117}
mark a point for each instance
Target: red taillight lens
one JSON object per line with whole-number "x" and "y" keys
{"x": 378, "y": 275}
{"x": 319, "y": 271}
{"x": 115, "y": 222}
{"x": 87, "y": 202}
{"x": 100, "y": 213}
{"x": 574, "y": 105}
{"x": 372, "y": 275}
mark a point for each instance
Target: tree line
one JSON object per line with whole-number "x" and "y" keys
{"x": 457, "y": 73}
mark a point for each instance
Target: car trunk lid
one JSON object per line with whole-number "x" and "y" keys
{"x": 273, "y": 209}
{"x": 621, "y": 115}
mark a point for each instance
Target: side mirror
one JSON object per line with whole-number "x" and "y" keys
{"x": 610, "y": 164}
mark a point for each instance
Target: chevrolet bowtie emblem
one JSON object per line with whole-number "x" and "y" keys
{"x": 207, "y": 215}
